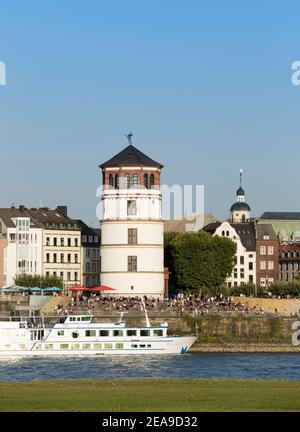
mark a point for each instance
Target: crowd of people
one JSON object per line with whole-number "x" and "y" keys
{"x": 179, "y": 305}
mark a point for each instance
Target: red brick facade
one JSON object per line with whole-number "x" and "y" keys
{"x": 267, "y": 262}
{"x": 132, "y": 172}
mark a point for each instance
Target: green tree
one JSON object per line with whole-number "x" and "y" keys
{"x": 30, "y": 281}
{"x": 201, "y": 262}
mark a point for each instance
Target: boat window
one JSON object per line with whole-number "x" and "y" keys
{"x": 119, "y": 346}
{"x": 78, "y": 319}
{"x": 75, "y": 335}
{"x": 148, "y": 346}
{"x": 60, "y": 333}
{"x": 39, "y": 347}
{"x": 90, "y": 333}
{"x": 103, "y": 333}
{"x": 142, "y": 346}
{"x": 134, "y": 346}
{"x": 145, "y": 332}
{"x": 157, "y": 332}
{"x": 108, "y": 346}
{"x": 75, "y": 346}
{"x": 97, "y": 346}
{"x": 49, "y": 346}
{"x": 72, "y": 319}
{"x": 86, "y": 346}
{"x": 131, "y": 332}
{"x": 33, "y": 335}
{"x": 87, "y": 318}
{"x": 64, "y": 346}
{"x": 118, "y": 332}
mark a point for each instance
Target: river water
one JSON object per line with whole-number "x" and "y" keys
{"x": 241, "y": 366}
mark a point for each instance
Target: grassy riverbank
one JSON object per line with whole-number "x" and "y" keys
{"x": 151, "y": 395}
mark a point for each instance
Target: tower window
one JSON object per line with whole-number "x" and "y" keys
{"x": 132, "y": 236}
{"x": 131, "y": 208}
{"x": 132, "y": 263}
{"x": 127, "y": 181}
{"x": 111, "y": 180}
{"x": 151, "y": 181}
{"x": 146, "y": 181}
{"x": 117, "y": 181}
{"x": 135, "y": 181}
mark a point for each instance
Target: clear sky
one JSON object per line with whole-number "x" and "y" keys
{"x": 205, "y": 86}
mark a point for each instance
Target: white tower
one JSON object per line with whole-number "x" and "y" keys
{"x": 132, "y": 255}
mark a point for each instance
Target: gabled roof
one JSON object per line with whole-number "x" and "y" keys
{"x": 246, "y": 232}
{"x": 130, "y": 156}
{"x": 289, "y": 216}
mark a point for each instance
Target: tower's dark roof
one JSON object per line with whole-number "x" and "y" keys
{"x": 240, "y": 206}
{"x": 130, "y": 156}
{"x": 240, "y": 191}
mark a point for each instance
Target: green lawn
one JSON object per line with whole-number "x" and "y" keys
{"x": 151, "y": 395}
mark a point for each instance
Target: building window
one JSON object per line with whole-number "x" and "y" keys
{"x": 48, "y": 241}
{"x": 55, "y": 241}
{"x": 270, "y": 265}
{"x": 62, "y": 258}
{"x": 69, "y": 258}
{"x": 76, "y": 276}
{"x": 263, "y": 265}
{"x": 250, "y": 266}
{"x": 76, "y": 258}
{"x": 47, "y": 258}
{"x": 271, "y": 250}
{"x": 84, "y": 239}
{"x": 132, "y": 236}
{"x": 111, "y": 180}
{"x": 263, "y": 250}
{"x": 76, "y": 242}
{"x": 131, "y": 208}
{"x": 132, "y": 263}
{"x": 69, "y": 276}
{"x": 54, "y": 258}
{"x": 62, "y": 241}
{"x": 242, "y": 260}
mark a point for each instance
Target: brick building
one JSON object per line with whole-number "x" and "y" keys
{"x": 267, "y": 255}
{"x": 289, "y": 261}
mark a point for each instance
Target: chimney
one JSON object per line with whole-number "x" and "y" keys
{"x": 63, "y": 209}
{"x": 22, "y": 208}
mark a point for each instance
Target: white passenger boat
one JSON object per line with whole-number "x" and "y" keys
{"x": 78, "y": 335}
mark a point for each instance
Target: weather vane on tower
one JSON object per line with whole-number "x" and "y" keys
{"x": 129, "y": 137}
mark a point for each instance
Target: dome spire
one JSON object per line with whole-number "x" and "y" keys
{"x": 241, "y": 176}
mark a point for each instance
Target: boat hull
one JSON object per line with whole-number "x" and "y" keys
{"x": 176, "y": 345}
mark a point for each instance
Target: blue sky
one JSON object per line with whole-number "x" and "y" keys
{"x": 204, "y": 85}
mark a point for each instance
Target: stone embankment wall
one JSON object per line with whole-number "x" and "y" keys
{"x": 285, "y": 307}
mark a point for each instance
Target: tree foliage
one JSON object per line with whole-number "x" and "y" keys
{"x": 31, "y": 281}
{"x": 200, "y": 261}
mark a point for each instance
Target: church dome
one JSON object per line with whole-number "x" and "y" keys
{"x": 240, "y": 206}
